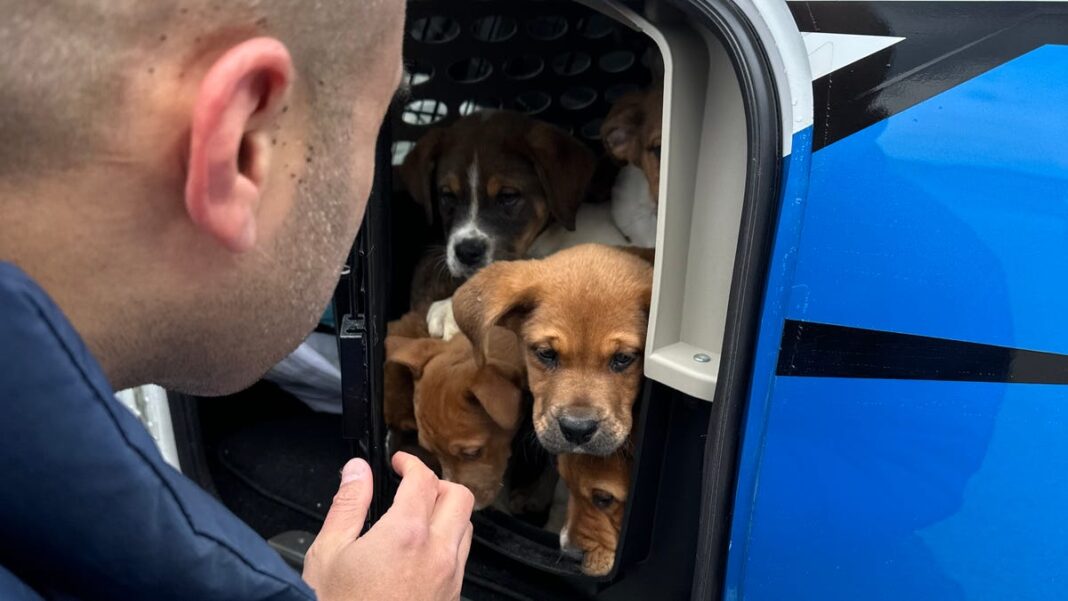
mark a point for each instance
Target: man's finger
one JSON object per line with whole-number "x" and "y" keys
{"x": 347, "y": 513}
{"x": 452, "y": 514}
{"x": 418, "y": 490}
{"x": 465, "y": 548}
{"x": 462, "y": 552}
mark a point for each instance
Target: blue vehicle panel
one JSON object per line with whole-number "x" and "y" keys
{"x": 947, "y": 221}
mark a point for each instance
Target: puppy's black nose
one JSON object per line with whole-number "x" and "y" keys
{"x": 471, "y": 251}
{"x": 577, "y": 430}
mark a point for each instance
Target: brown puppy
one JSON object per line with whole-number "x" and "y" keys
{"x": 397, "y": 389}
{"x": 597, "y": 493}
{"x": 582, "y": 315}
{"x": 467, "y": 414}
{"x": 497, "y": 179}
{"x": 631, "y": 133}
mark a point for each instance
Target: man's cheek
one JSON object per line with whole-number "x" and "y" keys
{"x": 355, "y": 207}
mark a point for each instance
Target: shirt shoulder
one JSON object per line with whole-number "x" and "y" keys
{"x": 85, "y": 495}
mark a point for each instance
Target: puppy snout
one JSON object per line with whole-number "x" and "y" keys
{"x": 471, "y": 251}
{"x": 566, "y": 546}
{"x": 578, "y": 429}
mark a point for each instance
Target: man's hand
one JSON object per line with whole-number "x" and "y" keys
{"x": 416, "y": 551}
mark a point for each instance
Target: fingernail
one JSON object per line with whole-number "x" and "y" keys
{"x": 355, "y": 469}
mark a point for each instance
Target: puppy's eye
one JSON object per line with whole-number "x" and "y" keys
{"x": 655, "y": 150}
{"x": 602, "y": 500}
{"x": 621, "y": 361}
{"x": 472, "y": 453}
{"x": 509, "y": 197}
{"x": 446, "y": 196}
{"x": 547, "y": 356}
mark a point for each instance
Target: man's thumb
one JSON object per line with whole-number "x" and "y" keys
{"x": 345, "y": 519}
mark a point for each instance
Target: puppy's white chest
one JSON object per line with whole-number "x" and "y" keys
{"x": 633, "y": 210}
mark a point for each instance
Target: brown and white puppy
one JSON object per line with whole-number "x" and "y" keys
{"x": 467, "y": 414}
{"x": 597, "y": 494}
{"x": 581, "y": 315}
{"x": 631, "y": 133}
{"x": 498, "y": 178}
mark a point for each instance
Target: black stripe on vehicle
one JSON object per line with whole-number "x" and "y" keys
{"x": 946, "y": 43}
{"x": 831, "y": 351}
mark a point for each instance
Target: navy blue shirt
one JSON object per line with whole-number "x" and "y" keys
{"x": 88, "y": 507}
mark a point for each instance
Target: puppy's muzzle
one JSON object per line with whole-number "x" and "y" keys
{"x": 577, "y": 430}
{"x": 471, "y": 252}
{"x": 566, "y": 547}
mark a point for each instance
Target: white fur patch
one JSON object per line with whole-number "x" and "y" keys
{"x": 440, "y": 321}
{"x": 633, "y": 210}
{"x": 566, "y": 547}
{"x": 468, "y": 228}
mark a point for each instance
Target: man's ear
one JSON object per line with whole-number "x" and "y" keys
{"x": 499, "y": 396}
{"x": 418, "y": 169}
{"x": 239, "y": 99}
{"x": 413, "y": 353}
{"x": 564, "y": 166}
{"x": 501, "y": 293}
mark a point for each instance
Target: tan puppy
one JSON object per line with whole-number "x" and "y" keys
{"x": 581, "y": 315}
{"x": 467, "y": 414}
{"x": 631, "y": 133}
{"x": 597, "y": 493}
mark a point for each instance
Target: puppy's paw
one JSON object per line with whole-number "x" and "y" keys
{"x": 440, "y": 321}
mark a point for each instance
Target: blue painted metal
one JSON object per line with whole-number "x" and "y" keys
{"x": 949, "y": 219}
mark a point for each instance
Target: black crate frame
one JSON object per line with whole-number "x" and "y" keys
{"x": 458, "y": 52}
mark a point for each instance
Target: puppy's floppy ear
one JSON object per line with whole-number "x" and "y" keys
{"x": 418, "y": 169}
{"x": 499, "y": 396}
{"x": 501, "y": 293}
{"x": 504, "y": 350}
{"x": 643, "y": 273}
{"x": 620, "y": 129}
{"x": 646, "y": 292}
{"x": 413, "y": 353}
{"x": 564, "y": 166}
{"x": 398, "y": 408}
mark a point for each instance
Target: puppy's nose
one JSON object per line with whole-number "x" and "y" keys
{"x": 577, "y": 430}
{"x": 471, "y": 251}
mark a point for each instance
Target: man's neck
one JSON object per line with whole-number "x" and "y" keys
{"x": 50, "y": 238}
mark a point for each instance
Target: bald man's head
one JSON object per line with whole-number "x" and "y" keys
{"x": 68, "y": 65}
{"x": 186, "y": 177}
